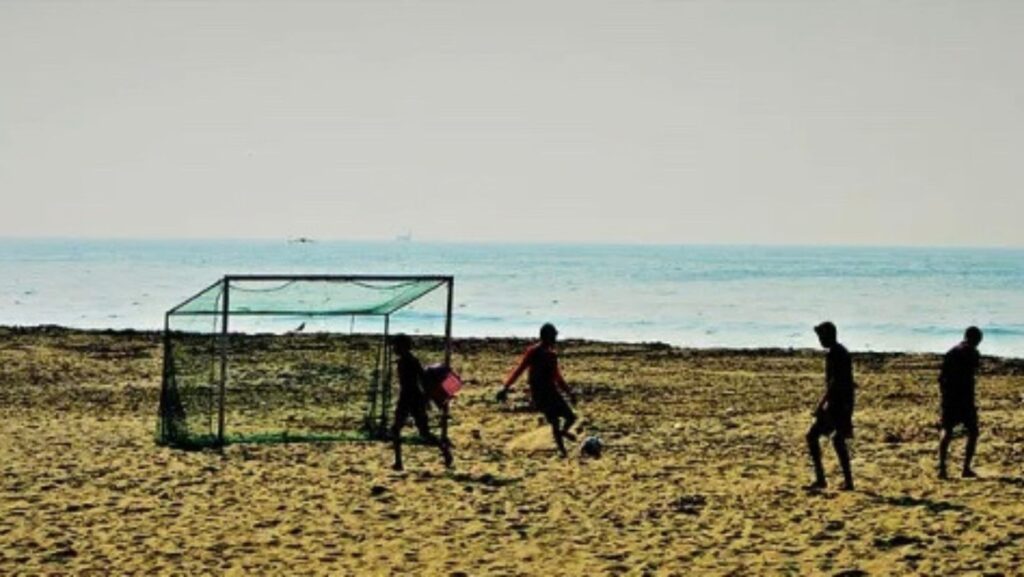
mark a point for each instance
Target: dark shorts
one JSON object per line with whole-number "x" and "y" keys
{"x": 960, "y": 414}
{"x": 415, "y": 408}
{"x": 552, "y": 405}
{"x": 827, "y": 423}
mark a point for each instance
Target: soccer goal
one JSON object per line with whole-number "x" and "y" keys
{"x": 291, "y": 358}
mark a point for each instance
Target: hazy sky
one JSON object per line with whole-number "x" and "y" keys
{"x": 691, "y": 122}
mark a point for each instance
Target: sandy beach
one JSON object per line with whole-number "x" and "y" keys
{"x": 703, "y": 474}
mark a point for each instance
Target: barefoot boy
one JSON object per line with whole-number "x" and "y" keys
{"x": 956, "y": 383}
{"x": 834, "y": 412}
{"x": 412, "y": 401}
{"x": 547, "y": 386}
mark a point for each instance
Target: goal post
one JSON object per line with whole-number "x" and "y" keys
{"x": 276, "y": 357}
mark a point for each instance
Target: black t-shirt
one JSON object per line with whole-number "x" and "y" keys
{"x": 957, "y": 378}
{"x": 839, "y": 377}
{"x": 543, "y": 368}
{"x": 410, "y": 372}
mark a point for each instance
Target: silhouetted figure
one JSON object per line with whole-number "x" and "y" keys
{"x": 834, "y": 413}
{"x": 956, "y": 382}
{"x": 547, "y": 386}
{"x": 412, "y": 401}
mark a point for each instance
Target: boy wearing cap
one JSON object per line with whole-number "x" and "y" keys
{"x": 547, "y": 386}
{"x": 833, "y": 415}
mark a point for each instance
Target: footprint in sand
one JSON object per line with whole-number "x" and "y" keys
{"x": 535, "y": 441}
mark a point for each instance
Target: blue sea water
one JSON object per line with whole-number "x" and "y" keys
{"x": 883, "y": 299}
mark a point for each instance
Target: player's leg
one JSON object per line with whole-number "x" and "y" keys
{"x": 556, "y": 431}
{"x": 568, "y": 419}
{"x": 444, "y": 426}
{"x": 419, "y": 415}
{"x": 843, "y": 453}
{"x": 950, "y": 418}
{"x": 816, "y": 431}
{"x": 972, "y": 443}
{"x": 401, "y": 415}
{"x": 947, "y": 438}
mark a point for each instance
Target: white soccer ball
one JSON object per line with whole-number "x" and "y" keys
{"x": 592, "y": 447}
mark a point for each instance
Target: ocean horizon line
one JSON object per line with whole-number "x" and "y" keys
{"x": 298, "y": 239}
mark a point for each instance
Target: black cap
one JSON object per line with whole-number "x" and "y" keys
{"x": 826, "y": 328}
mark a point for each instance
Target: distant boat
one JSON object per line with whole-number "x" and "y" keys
{"x": 407, "y": 237}
{"x": 300, "y": 240}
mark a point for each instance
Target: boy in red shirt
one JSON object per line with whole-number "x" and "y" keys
{"x": 547, "y": 386}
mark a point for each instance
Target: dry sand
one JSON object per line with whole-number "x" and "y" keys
{"x": 702, "y": 474}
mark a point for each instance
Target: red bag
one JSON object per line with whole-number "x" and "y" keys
{"x": 442, "y": 383}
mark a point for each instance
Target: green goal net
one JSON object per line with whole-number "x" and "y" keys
{"x": 292, "y": 358}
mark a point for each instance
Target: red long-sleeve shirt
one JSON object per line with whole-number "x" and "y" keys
{"x": 542, "y": 362}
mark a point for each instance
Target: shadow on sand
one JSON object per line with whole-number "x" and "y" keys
{"x": 906, "y": 501}
{"x": 1006, "y": 480}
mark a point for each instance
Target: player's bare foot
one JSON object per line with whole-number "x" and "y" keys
{"x": 568, "y": 435}
{"x": 847, "y": 486}
{"x": 969, "y": 474}
{"x": 943, "y": 475}
{"x": 818, "y": 485}
{"x": 397, "y": 467}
